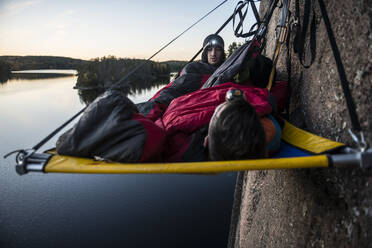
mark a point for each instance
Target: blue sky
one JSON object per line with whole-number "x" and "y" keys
{"x": 90, "y": 29}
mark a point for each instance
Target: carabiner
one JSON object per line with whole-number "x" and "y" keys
{"x": 281, "y": 35}
{"x": 361, "y": 142}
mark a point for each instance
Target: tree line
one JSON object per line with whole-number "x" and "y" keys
{"x": 99, "y": 72}
{"x": 17, "y": 63}
{"x": 106, "y": 71}
{"x": 5, "y": 71}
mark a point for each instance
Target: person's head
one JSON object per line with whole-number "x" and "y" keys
{"x": 235, "y": 131}
{"x": 257, "y": 70}
{"x": 213, "y": 50}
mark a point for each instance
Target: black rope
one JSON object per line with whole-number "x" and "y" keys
{"x": 161, "y": 49}
{"x": 341, "y": 71}
{"x": 51, "y": 135}
{"x": 289, "y": 69}
{"x": 46, "y": 139}
{"x": 29, "y": 152}
{"x": 217, "y": 32}
{"x": 261, "y": 23}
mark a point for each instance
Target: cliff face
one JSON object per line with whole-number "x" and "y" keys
{"x": 316, "y": 207}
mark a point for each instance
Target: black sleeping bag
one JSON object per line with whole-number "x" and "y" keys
{"x": 107, "y": 130}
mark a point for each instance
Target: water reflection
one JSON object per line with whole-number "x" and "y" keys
{"x": 37, "y": 76}
{"x": 74, "y": 210}
{"x": 3, "y": 79}
{"x": 140, "y": 87}
{"x": 87, "y": 95}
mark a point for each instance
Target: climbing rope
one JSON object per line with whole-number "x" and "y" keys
{"x": 217, "y": 32}
{"x": 362, "y": 144}
{"x": 281, "y": 35}
{"x": 23, "y": 154}
{"x": 165, "y": 46}
{"x": 51, "y": 135}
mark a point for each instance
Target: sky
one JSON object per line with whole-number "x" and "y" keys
{"x": 121, "y": 28}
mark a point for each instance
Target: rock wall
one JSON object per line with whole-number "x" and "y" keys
{"x": 316, "y": 207}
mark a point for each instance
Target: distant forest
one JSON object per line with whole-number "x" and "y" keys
{"x": 18, "y": 63}
{"x": 98, "y": 72}
{"x": 95, "y": 73}
{"x": 5, "y": 71}
{"x": 101, "y": 73}
{"x": 104, "y": 72}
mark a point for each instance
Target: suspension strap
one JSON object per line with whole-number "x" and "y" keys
{"x": 341, "y": 71}
{"x": 262, "y": 29}
{"x": 219, "y": 30}
{"x": 161, "y": 49}
{"x": 238, "y": 30}
{"x": 31, "y": 151}
{"x": 51, "y": 135}
{"x": 46, "y": 139}
{"x": 344, "y": 83}
{"x": 300, "y": 36}
{"x": 261, "y": 23}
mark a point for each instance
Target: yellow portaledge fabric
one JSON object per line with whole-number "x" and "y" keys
{"x": 291, "y": 134}
{"x": 307, "y": 141}
{"x": 66, "y": 164}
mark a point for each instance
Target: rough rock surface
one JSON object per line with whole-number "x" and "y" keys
{"x": 316, "y": 207}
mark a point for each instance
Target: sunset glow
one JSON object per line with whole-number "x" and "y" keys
{"x": 90, "y": 29}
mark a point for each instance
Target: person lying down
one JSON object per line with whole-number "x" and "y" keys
{"x": 113, "y": 128}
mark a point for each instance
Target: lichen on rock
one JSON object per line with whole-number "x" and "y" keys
{"x": 316, "y": 207}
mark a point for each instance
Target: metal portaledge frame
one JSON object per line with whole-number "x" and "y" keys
{"x": 37, "y": 162}
{"x": 34, "y": 162}
{"x": 353, "y": 158}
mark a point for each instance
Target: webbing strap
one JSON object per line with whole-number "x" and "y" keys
{"x": 217, "y": 32}
{"x": 238, "y": 30}
{"x": 37, "y": 146}
{"x": 255, "y": 12}
{"x": 260, "y": 24}
{"x": 341, "y": 71}
{"x": 300, "y": 36}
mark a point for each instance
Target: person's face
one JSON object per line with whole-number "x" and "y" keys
{"x": 214, "y": 55}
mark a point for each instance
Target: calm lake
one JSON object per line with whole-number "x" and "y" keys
{"x": 73, "y": 210}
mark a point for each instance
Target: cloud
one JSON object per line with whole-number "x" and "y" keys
{"x": 17, "y": 7}
{"x": 68, "y": 12}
